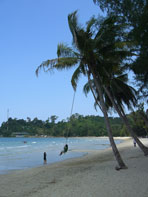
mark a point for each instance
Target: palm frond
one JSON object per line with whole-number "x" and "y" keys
{"x": 123, "y": 93}
{"x": 73, "y": 25}
{"x": 46, "y": 65}
{"x": 86, "y": 88}
{"x": 65, "y": 63}
{"x": 90, "y": 24}
{"x": 64, "y": 51}
{"x": 58, "y": 64}
{"x": 75, "y": 77}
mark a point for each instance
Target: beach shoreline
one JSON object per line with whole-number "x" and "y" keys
{"x": 15, "y": 155}
{"x": 91, "y": 175}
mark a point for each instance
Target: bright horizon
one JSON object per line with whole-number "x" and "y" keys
{"x": 30, "y": 32}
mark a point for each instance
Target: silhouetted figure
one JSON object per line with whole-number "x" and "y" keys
{"x": 64, "y": 150}
{"x": 45, "y": 158}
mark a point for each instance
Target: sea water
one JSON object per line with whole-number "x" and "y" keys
{"x": 22, "y": 153}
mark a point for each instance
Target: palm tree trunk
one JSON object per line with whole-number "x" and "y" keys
{"x": 125, "y": 120}
{"x": 89, "y": 81}
{"x": 104, "y": 110}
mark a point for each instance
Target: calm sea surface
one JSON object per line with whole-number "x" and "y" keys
{"x": 21, "y": 153}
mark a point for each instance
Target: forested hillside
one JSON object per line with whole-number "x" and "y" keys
{"x": 77, "y": 125}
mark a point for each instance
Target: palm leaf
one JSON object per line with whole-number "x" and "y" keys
{"x": 75, "y": 77}
{"x": 64, "y": 51}
{"x": 45, "y": 65}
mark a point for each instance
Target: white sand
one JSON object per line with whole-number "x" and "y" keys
{"x": 93, "y": 175}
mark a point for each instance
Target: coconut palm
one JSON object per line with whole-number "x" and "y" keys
{"x": 117, "y": 94}
{"x": 111, "y": 62}
{"x": 112, "y": 52}
{"x": 122, "y": 93}
{"x": 84, "y": 56}
{"x": 121, "y": 113}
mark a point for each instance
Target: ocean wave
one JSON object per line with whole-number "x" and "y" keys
{"x": 15, "y": 147}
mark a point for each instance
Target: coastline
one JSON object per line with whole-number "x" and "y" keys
{"x": 15, "y": 155}
{"x": 91, "y": 175}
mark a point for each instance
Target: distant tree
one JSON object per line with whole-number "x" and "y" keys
{"x": 53, "y": 118}
{"x": 28, "y": 119}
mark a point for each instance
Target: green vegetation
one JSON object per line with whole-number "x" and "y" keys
{"x": 77, "y": 125}
{"x": 135, "y": 14}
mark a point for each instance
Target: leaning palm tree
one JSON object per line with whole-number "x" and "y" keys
{"x": 121, "y": 113}
{"x": 111, "y": 51}
{"x": 112, "y": 55}
{"x": 84, "y": 56}
{"x": 117, "y": 94}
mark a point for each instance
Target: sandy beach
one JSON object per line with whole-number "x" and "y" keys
{"x": 93, "y": 175}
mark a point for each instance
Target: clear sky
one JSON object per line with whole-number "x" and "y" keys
{"x": 29, "y": 33}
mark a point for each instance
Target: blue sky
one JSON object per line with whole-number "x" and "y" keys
{"x": 29, "y": 33}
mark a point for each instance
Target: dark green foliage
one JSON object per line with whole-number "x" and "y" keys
{"x": 77, "y": 125}
{"x": 131, "y": 10}
{"x": 138, "y": 123}
{"x": 135, "y": 13}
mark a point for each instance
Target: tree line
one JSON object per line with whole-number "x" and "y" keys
{"x": 76, "y": 125}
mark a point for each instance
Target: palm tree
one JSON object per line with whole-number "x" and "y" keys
{"x": 86, "y": 59}
{"x": 116, "y": 94}
{"x": 125, "y": 120}
{"x": 112, "y": 56}
{"x": 112, "y": 50}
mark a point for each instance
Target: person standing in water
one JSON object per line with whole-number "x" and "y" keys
{"x": 45, "y": 158}
{"x": 134, "y": 142}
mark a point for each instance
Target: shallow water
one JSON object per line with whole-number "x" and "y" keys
{"x": 21, "y": 153}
